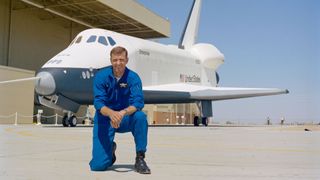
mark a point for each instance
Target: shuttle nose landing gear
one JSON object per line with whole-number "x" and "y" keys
{"x": 69, "y": 120}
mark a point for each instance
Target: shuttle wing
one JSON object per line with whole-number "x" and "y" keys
{"x": 184, "y": 93}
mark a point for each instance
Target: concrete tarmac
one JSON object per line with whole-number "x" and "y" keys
{"x": 54, "y": 152}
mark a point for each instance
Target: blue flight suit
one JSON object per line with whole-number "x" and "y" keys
{"x": 116, "y": 95}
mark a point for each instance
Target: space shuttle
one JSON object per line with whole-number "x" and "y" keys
{"x": 183, "y": 73}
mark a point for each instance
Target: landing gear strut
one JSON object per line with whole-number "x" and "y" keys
{"x": 205, "y": 108}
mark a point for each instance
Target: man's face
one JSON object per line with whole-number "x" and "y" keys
{"x": 119, "y": 62}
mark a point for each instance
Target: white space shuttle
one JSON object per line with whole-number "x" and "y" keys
{"x": 170, "y": 74}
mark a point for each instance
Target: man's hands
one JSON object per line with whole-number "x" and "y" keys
{"x": 116, "y": 118}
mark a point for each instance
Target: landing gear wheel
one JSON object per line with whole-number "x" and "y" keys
{"x": 65, "y": 121}
{"x": 205, "y": 121}
{"x": 73, "y": 121}
{"x": 196, "y": 121}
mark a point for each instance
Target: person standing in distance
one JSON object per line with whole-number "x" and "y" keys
{"x": 118, "y": 100}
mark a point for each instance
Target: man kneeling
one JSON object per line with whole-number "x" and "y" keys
{"x": 118, "y": 99}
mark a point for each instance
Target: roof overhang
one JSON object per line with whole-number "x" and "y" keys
{"x": 125, "y": 16}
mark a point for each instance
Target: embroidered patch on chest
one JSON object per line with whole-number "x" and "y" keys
{"x": 123, "y": 85}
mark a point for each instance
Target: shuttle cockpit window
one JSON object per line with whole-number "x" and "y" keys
{"x": 92, "y": 39}
{"x": 78, "y": 40}
{"x": 111, "y": 41}
{"x": 103, "y": 40}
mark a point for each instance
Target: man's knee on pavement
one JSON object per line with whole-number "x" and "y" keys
{"x": 99, "y": 167}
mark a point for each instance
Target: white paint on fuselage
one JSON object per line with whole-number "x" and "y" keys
{"x": 155, "y": 63}
{"x": 162, "y": 64}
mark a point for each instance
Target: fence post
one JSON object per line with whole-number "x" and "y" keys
{"x": 40, "y": 111}
{"x": 16, "y": 119}
{"x": 56, "y": 120}
{"x": 38, "y": 119}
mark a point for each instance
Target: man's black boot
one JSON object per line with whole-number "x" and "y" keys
{"x": 140, "y": 165}
{"x": 114, "y": 147}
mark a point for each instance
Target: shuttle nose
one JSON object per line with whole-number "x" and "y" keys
{"x": 45, "y": 85}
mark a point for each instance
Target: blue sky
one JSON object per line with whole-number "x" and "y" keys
{"x": 266, "y": 43}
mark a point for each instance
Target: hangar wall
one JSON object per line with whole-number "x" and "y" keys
{"x": 43, "y": 37}
{"x": 16, "y": 97}
{"x": 30, "y": 36}
{"x": 4, "y": 30}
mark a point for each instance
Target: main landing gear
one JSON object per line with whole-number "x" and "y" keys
{"x": 69, "y": 120}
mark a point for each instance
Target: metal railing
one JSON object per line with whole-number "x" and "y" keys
{"x": 39, "y": 117}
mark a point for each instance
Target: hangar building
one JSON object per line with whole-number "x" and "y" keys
{"x": 33, "y": 31}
